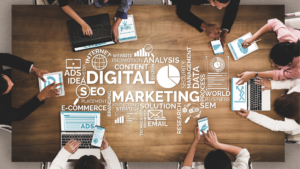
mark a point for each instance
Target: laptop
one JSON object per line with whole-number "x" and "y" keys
{"x": 79, "y": 125}
{"x": 100, "y": 24}
{"x": 249, "y": 96}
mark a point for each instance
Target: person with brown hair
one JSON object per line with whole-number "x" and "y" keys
{"x": 285, "y": 105}
{"x": 86, "y": 162}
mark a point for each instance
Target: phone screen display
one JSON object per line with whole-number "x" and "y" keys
{"x": 217, "y": 47}
{"x": 98, "y": 136}
{"x": 203, "y": 125}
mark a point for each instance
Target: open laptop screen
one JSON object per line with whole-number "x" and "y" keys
{"x": 79, "y": 120}
{"x": 238, "y": 95}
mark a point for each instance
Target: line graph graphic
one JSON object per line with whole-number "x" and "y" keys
{"x": 242, "y": 95}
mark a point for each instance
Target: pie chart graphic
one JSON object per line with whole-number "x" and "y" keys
{"x": 239, "y": 44}
{"x": 168, "y": 76}
{"x": 215, "y": 47}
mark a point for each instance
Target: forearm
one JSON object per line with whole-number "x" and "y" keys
{"x": 261, "y": 31}
{"x": 266, "y": 74}
{"x": 69, "y": 11}
{"x": 233, "y": 150}
{"x": 230, "y": 15}
{"x": 188, "y": 161}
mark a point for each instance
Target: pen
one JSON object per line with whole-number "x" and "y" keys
{"x": 254, "y": 41}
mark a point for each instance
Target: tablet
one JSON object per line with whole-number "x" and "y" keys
{"x": 56, "y": 77}
{"x": 238, "y": 51}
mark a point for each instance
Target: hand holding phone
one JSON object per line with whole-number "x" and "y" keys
{"x": 98, "y": 136}
{"x": 203, "y": 125}
{"x": 217, "y": 47}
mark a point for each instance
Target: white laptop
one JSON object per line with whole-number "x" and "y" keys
{"x": 249, "y": 96}
{"x": 79, "y": 125}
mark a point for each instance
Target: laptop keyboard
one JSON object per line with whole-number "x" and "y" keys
{"x": 255, "y": 95}
{"x": 99, "y": 31}
{"x": 85, "y": 140}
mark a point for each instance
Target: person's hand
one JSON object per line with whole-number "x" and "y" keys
{"x": 39, "y": 72}
{"x": 211, "y": 30}
{"x": 223, "y": 37}
{"x": 247, "y": 42}
{"x": 211, "y": 139}
{"x": 49, "y": 91}
{"x": 114, "y": 33}
{"x": 72, "y": 146}
{"x": 243, "y": 112}
{"x": 197, "y": 135}
{"x": 86, "y": 30}
{"x": 263, "y": 82}
{"x": 245, "y": 77}
{"x": 104, "y": 144}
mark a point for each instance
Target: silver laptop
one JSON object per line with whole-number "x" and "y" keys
{"x": 249, "y": 96}
{"x": 79, "y": 125}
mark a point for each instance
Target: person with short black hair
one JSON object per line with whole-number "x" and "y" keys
{"x": 86, "y": 162}
{"x": 212, "y": 30}
{"x": 284, "y": 56}
{"x": 86, "y": 29}
{"x": 286, "y": 105}
{"x": 9, "y": 114}
{"x": 216, "y": 159}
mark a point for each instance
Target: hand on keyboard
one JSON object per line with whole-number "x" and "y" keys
{"x": 72, "y": 146}
{"x": 263, "y": 82}
{"x": 86, "y": 29}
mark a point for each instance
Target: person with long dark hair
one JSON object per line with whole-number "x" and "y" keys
{"x": 86, "y": 162}
{"x": 216, "y": 159}
{"x": 284, "y": 56}
{"x": 286, "y": 105}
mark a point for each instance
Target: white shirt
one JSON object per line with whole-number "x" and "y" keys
{"x": 60, "y": 161}
{"x": 241, "y": 161}
{"x": 289, "y": 126}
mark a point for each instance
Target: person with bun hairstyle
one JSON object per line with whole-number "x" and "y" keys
{"x": 284, "y": 56}
{"x": 286, "y": 105}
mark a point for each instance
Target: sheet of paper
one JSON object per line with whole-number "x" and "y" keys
{"x": 238, "y": 95}
{"x": 238, "y": 51}
{"x": 127, "y": 30}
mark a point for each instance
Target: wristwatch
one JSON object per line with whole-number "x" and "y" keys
{"x": 256, "y": 74}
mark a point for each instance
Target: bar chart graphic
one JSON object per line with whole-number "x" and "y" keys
{"x": 119, "y": 119}
{"x": 141, "y": 53}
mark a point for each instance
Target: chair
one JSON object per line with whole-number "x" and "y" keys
{"x": 293, "y": 22}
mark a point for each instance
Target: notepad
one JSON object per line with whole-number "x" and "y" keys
{"x": 127, "y": 30}
{"x": 56, "y": 77}
{"x": 238, "y": 51}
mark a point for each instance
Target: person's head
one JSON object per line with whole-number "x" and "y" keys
{"x": 88, "y": 162}
{"x": 282, "y": 54}
{"x": 5, "y": 84}
{"x": 217, "y": 159}
{"x": 219, "y": 3}
{"x": 288, "y": 106}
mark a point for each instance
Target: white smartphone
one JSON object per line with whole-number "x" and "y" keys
{"x": 203, "y": 125}
{"x": 217, "y": 47}
{"x": 98, "y": 136}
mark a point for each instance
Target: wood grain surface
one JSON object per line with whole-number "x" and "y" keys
{"x": 40, "y": 35}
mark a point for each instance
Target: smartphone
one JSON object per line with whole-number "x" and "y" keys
{"x": 217, "y": 47}
{"x": 203, "y": 125}
{"x": 98, "y": 136}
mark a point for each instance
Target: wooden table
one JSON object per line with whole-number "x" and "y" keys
{"x": 40, "y": 35}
